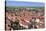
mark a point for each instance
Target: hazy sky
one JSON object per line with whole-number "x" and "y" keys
{"x": 28, "y": 0}
{"x": 21, "y": 3}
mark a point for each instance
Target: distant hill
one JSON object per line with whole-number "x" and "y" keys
{"x": 13, "y": 7}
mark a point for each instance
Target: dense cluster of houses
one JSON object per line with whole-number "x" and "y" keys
{"x": 24, "y": 18}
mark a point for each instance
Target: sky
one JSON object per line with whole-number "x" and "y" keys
{"x": 28, "y": 0}
{"x": 24, "y": 3}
